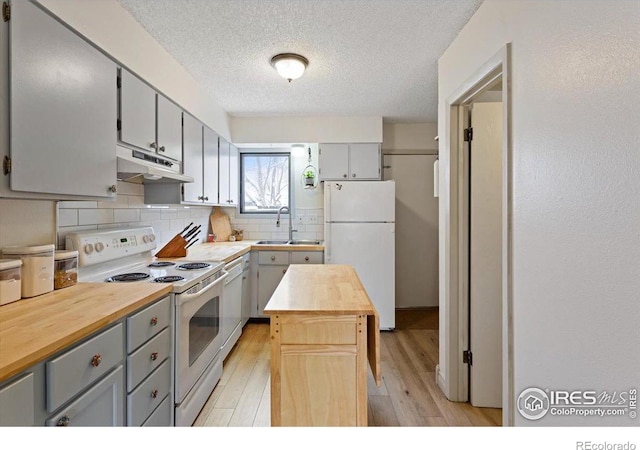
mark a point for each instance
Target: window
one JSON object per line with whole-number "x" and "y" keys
{"x": 264, "y": 182}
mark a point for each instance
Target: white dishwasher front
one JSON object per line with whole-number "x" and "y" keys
{"x": 231, "y": 307}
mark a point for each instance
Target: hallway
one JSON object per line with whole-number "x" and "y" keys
{"x": 408, "y": 395}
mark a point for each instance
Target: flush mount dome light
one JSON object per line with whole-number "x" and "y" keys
{"x": 290, "y": 65}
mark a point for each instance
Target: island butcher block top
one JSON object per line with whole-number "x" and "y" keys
{"x": 31, "y": 330}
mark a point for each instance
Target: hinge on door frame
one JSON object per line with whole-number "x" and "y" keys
{"x": 6, "y": 11}
{"x": 467, "y": 357}
{"x": 6, "y": 165}
{"x": 468, "y": 134}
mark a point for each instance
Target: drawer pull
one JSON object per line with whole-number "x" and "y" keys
{"x": 154, "y": 321}
{"x": 284, "y": 270}
{"x": 306, "y": 258}
{"x": 154, "y": 356}
{"x": 273, "y": 258}
{"x": 154, "y": 393}
{"x": 64, "y": 421}
{"x": 96, "y": 360}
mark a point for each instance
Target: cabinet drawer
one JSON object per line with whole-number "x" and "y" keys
{"x": 303, "y": 329}
{"x": 273, "y": 258}
{"x": 16, "y": 403}
{"x": 144, "y": 360}
{"x": 146, "y": 397}
{"x": 100, "y": 406}
{"x": 161, "y": 417}
{"x": 306, "y": 257}
{"x": 147, "y": 323}
{"x": 75, "y": 369}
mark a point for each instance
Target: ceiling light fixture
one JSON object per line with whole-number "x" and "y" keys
{"x": 290, "y": 65}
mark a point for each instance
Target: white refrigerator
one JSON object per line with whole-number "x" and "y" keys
{"x": 359, "y": 230}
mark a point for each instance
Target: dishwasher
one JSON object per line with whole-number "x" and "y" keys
{"x": 231, "y": 307}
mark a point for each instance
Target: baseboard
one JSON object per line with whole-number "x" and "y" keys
{"x": 442, "y": 384}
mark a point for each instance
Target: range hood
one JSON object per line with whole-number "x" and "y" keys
{"x": 141, "y": 167}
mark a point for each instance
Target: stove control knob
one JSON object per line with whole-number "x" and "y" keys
{"x": 99, "y": 247}
{"x": 88, "y": 249}
{"x": 145, "y": 238}
{"x": 152, "y": 237}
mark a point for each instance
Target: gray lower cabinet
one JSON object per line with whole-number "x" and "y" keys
{"x": 118, "y": 376}
{"x": 272, "y": 265}
{"x": 102, "y": 405}
{"x": 16, "y": 403}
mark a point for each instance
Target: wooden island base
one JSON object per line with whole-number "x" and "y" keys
{"x": 324, "y": 328}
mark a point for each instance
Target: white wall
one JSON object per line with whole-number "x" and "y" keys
{"x": 266, "y": 130}
{"x": 109, "y": 26}
{"x": 400, "y": 137}
{"x": 575, "y": 184}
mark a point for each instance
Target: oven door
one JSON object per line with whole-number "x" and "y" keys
{"x": 198, "y": 334}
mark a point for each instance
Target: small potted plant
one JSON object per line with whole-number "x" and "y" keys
{"x": 309, "y": 178}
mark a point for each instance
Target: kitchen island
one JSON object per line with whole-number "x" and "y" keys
{"x": 323, "y": 330}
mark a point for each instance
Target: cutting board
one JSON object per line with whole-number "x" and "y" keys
{"x": 220, "y": 225}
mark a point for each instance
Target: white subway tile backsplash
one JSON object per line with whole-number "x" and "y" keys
{"x": 120, "y": 202}
{"x": 77, "y": 204}
{"x": 150, "y": 214}
{"x": 168, "y": 214}
{"x": 135, "y": 201}
{"x": 126, "y": 215}
{"x": 95, "y": 216}
{"x": 67, "y": 217}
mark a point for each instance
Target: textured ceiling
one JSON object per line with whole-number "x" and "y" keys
{"x": 366, "y": 57}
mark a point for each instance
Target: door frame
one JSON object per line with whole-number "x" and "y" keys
{"x": 455, "y": 298}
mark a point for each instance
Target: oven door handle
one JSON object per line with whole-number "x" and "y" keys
{"x": 185, "y": 298}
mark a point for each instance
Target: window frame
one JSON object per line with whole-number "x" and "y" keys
{"x": 264, "y": 152}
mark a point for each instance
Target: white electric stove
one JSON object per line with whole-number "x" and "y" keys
{"x": 126, "y": 256}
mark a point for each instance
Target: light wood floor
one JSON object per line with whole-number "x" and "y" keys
{"x": 408, "y": 396}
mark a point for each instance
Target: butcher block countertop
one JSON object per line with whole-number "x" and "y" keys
{"x": 320, "y": 289}
{"x": 31, "y": 330}
{"x": 228, "y": 251}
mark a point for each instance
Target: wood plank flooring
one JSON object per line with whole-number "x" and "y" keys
{"x": 408, "y": 396}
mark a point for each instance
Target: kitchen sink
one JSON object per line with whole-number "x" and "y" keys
{"x": 304, "y": 242}
{"x": 272, "y": 242}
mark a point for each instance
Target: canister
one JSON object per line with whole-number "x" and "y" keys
{"x": 65, "y": 269}
{"x": 37, "y": 268}
{"x": 10, "y": 283}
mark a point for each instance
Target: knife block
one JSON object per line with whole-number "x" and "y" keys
{"x": 175, "y": 248}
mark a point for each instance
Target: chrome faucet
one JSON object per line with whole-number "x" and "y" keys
{"x": 291, "y": 230}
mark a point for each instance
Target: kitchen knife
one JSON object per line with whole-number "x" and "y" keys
{"x": 191, "y": 232}
{"x": 193, "y": 240}
{"x": 186, "y": 228}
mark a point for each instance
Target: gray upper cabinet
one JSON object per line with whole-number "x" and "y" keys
{"x": 211, "y": 166}
{"x": 169, "y": 129}
{"x": 192, "y": 164}
{"x": 352, "y": 162}
{"x": 229, "y": 173}
{"x": 149, "y": 120}
{"x": 137, "y": 112}
{"x": 63, "y": 109}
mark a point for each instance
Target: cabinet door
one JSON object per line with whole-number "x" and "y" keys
{"x": 63, "y": 108}
{"x": 137, "y": 112}
{"x": 334, "y": 161}
{"x": 364, "y": 161}
{"x": 224, "y": 156}
{"x": 268, "y": 279}
{"x": 100, "y": 406}
{"x": 169, "y": 129}
{"x": 192, "y": 164}
{"x": 16, "y": 403}
{"x": 234, "y": 174}
{"x": 211, "y": 167}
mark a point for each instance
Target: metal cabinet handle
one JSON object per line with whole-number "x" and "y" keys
{"x": 199, "y": 197}
{"x": 306, "y": 258}
{"x": 273, "y": 258}
{"x": 96, "y": 360}
{"x": 344, "y": 176}
{"x": 161, "y": 149}
{"x": 113, "y": 188}
{"x": 244, "y": 278}
{"x": 284, "y": 270}
{"x": 354, "y": 175}
{"x": 154, "y": 356}
{"x": 64, "y": 421}
{"x": 206, "y": 199}
{"x": 153, "y": 145}
{"x": 154, "y": 393}
{"x": 154, "y": 321}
